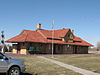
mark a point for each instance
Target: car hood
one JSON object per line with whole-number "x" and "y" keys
{"x": 15, "y": 60}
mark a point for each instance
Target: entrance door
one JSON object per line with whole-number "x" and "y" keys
{"x": 75, "y": 49}
{"x": 54, "y": 50}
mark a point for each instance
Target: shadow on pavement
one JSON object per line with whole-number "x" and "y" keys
{"x": 2, "y": 73}
{"x": 21, "y": 74}
{"x": 26, "y": 74}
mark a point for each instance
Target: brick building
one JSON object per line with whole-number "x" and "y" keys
{"x": 40, "y": 41}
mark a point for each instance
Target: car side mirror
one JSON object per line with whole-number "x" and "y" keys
{"x": 5, "y": 58}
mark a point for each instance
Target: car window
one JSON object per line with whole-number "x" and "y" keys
{"x": 1, "y": 56}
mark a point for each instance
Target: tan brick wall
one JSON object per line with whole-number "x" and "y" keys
{"x": 23, "y": 51}
{"x": 14, "y": 51}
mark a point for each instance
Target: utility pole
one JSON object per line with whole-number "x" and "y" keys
{"x": 2, "y": 41}
{"x": 52, "y": 38}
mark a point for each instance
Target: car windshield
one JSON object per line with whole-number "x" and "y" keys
{"x": 2, "y": 55}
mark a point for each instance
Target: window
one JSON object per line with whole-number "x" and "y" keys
{"x": 59, "y": 47}
{"x": 68, "y": 35}
{"x": 40, "y": 45}
{"x": 49, "y": 46}
{"x": 23, "y": 44}
{"x": 68, "y": 47}
{"x": 30, "y": 44}
{"x": 1, "y": 56}
{"x": 71, "y": 36}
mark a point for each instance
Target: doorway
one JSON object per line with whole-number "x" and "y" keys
{"x": 75, "y": 51}
{"x": 54, "y": 50}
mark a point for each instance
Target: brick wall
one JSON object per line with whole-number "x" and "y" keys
{"x": 47, "y": 48}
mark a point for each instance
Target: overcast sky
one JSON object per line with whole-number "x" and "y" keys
{"x": 83, "y": 16}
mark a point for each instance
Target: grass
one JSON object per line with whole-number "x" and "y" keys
{"x": 37, "y": 66}
{"x": 91, "y": 63}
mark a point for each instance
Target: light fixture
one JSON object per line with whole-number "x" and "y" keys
{"x": 67, "y": 45}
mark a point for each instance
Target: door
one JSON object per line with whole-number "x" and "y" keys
{"x": 75, "y": 49}
{"x": 54, "y": 50}
{"x": 3, "y": 63}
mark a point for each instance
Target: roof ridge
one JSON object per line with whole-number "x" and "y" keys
{"x": 26, "y": 36}
{"x": 57, "y": 29}
{"x": 27, "y": 30}
{"x": 41, "y": 34}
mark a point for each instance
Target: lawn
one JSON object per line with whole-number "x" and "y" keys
{"x": 91, "y": 63}
{"x": 37, "y": 66}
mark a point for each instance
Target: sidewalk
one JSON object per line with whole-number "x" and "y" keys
{"x": 76, "y": 69}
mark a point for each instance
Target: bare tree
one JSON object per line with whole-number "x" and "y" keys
{"x": 92, "y": 48}
{"x": 98, "y": 46}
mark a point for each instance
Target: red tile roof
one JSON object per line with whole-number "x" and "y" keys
{"x": 28, "y": 36}
{"x": 57, "y": 33}
{"x": 76, "y": 38}
{"x": 35, "y": 36}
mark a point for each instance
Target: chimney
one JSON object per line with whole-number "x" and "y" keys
{"x": 72, "y": 31}
{"x": 38, "y": 26}
{"x": 63, "y": 28}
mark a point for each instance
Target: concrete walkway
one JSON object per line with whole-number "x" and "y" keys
{"x": 76, "y": 69}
